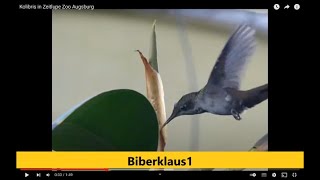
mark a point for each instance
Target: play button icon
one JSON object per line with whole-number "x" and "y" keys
{"x": 26, "y": 174}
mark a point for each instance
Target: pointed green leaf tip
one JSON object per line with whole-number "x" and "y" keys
{"x": 153, "y": 48}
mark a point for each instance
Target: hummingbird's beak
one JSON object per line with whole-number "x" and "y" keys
{"x": 173, "y": 115}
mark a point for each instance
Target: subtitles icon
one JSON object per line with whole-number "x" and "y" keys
{"x": 263, "y": 174}
{"x": 276, "y": 6}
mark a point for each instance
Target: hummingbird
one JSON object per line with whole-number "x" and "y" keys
{"x": 222, "y": 95}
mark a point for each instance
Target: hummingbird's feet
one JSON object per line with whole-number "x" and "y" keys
{"x": 235, "y": 114}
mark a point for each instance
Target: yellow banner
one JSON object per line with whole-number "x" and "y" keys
{"x": 294, "y": 160}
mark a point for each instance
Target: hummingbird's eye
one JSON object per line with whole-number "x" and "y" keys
{"x": 184, "y": 107}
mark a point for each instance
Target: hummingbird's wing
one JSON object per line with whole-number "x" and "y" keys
{"x": 231, "y": 63}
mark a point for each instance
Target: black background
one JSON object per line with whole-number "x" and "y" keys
{"x": 32, "y": 84}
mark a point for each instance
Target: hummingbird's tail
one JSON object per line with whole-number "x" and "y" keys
{"x": 255, "y": 96}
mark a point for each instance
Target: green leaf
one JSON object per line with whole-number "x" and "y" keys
{"x": 118, "y": 120}
{"x": 153, "y": 48}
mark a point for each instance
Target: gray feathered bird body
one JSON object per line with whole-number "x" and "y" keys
{"x": 226, "y": 99}
{"x": 222, "y": 95}
{"x": 217, "y": 105}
